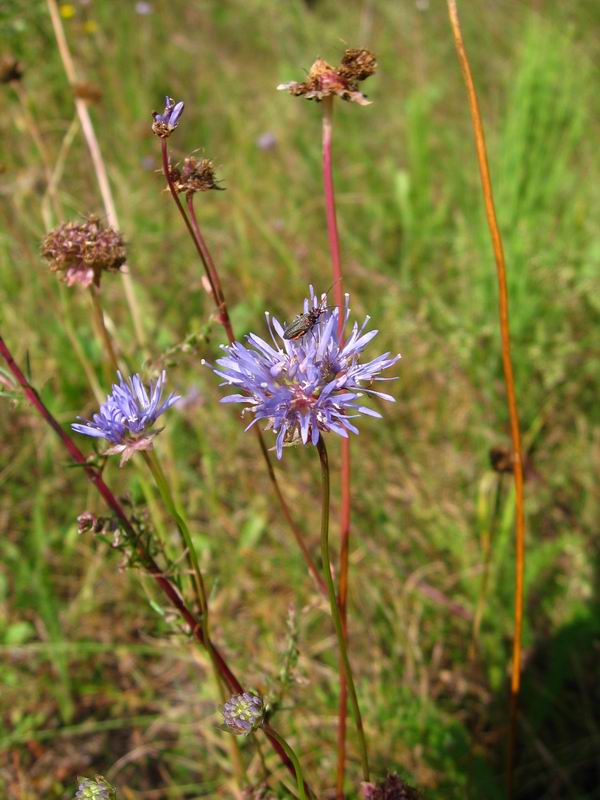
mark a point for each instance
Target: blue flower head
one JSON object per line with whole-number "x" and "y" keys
{"x": 164, "y": 124}
{"x": 243, "y": 713}
{"x": 97, "y": 789}
{"x": 126, "y": 417}
{"x": 307, "y": 385}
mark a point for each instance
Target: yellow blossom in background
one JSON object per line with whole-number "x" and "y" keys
{"x": 90, "y": 26}
{"x": 67, "y": 11}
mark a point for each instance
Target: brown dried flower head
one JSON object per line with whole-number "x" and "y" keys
{"x": 391, "y": 788}
{"x": 10, "y": 69}
{"x": 81, "y": 251}
{"x": 86, "y": 90}
{"x": 196, "y": 175}
{"x": 323, "y": 80}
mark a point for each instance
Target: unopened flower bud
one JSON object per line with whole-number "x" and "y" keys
{"x": 243, "y": 713}
{"x": 86, "y": 521}
{"x": 98, "y": 789}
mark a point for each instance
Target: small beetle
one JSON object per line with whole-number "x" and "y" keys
{"x": 305, "y": 322}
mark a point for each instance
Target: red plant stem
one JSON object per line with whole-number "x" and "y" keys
{"x": 107, "y": 495}
{"x": 219, "y": 298}
{"x": 211, "y": 270}
{"x": 338, "y": 288}
{"x": 509, "y": 383}
{"x": 205, "y": 257}
{"x": 286, "y": 513}
{"x": 332, "y": 229}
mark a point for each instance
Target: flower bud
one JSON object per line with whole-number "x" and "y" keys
{"x": 98, "y": 789}
{"x": 243, "y": 713}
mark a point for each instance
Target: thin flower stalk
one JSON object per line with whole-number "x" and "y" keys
{"x": 293, "y": 758}
{"x": 345, "y": 513}
{"x": 200, "y": 244}
{"x": 91, "y": 139}
{"x": 112, "y": 363}
{"x": 335, "y": 611}
{"x": 193, "y": 228}
{"x": 198, "y": 586}
{"x": 191, "y": 555}
{"x": 509, "y": 381}
{"x": 151, "y": 566}
{"x": 50, "y": 218}
{"x": 38, "y": 139}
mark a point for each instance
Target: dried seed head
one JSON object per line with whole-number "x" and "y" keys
{"x": 358, "y": 64}
{"x": 81, "y": 251}
{"x": 391, "y": 788}
{"x": 243, "y": 713}
{"x": 323, "y": 80}
{"x": 196, "y": 175}
{"x": 10, "y": 69}
{"x": 98, "y": 789}
{"x": 85, "y": 90}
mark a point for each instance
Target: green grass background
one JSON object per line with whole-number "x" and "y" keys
{"x": 96, "y": 674}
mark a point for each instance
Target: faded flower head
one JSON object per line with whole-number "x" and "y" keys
{"x": 391, "y": 788}
{"x": 196, "y": 175}
{"x": 126, "y": 417}
{"x": 10, "y": 69}
{"x": 164, "y": 124}
{"x": 323, "y": 80}
{"x": 98, "y": 789}
{"x": 81, "y": 251}
{"x": 309, "y": 384}
{"x": 243, "y": 713}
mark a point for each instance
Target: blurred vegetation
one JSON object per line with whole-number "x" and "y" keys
{"x": 96, "y": 674}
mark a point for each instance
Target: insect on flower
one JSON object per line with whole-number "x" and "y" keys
{"x": 307, "y": 321}
{"x": 305, "y": 387}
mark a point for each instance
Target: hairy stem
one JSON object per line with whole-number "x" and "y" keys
{"x": 335, "y": 611}
{"x": 338, "y": 288}
{"x": 151, "y": 566}
{"x": 509, "y": 381}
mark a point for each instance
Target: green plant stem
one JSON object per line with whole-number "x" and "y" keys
{"x": 112, "y": 363}
{"x": 197, "y": 583}
{"x": 292, "y": 756}
{"x": 335, "y": 611}
{"x": 167, "y": 497}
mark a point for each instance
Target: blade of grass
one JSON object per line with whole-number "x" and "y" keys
{"x": 511, "y": 399}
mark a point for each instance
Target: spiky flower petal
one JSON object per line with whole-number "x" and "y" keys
{"x": 307, "y": 385}
{"x": 126, "y": 417}
{"x": 164, "y": 124}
